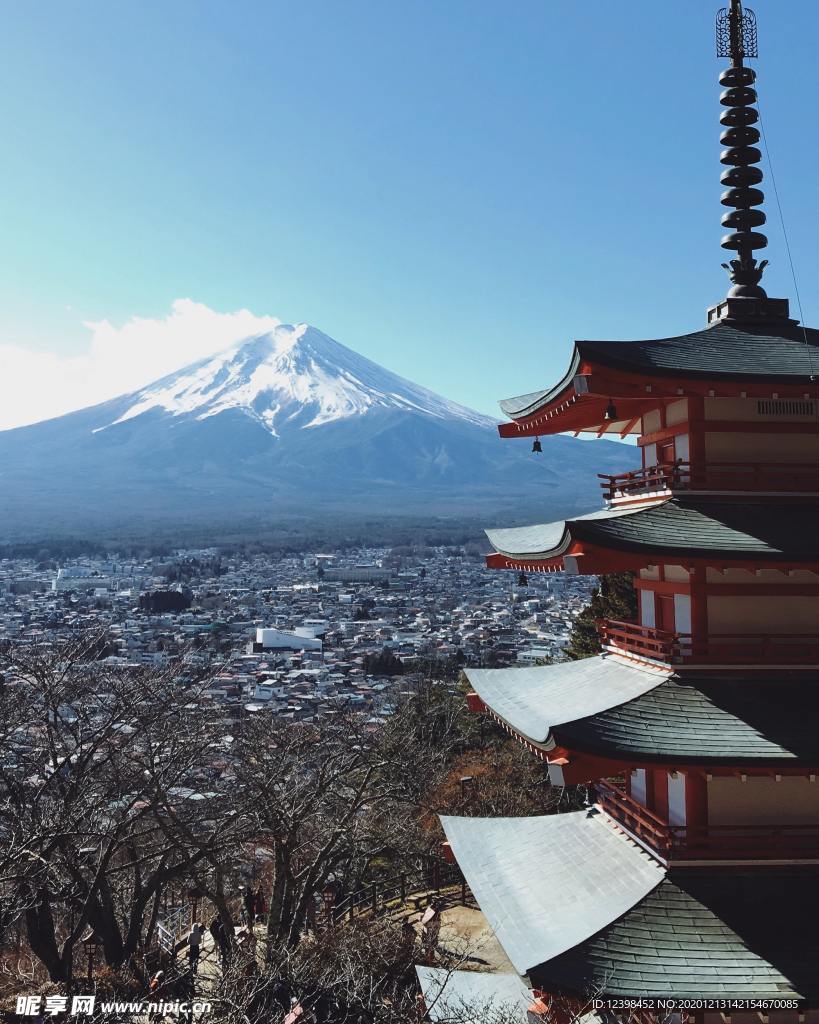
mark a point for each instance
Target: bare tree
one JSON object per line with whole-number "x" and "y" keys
{"x": 122, "y": 791}
{"x": 94, "y": 761}
{"x": 329, "y": 798}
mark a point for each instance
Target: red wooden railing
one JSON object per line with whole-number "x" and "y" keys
{"x": 644, "y": 641}
{"x": 714, "y": 476}
{"x": 636, "y": 819}
{"x": 638, "y": 481}
{"x": 717, "y": 648}
{"x": 707, "y": 842}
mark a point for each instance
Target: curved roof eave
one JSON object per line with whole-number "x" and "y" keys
{"x": 524, "y": 405}
{"x": 546, "y": 884}
{"x": 533, "y": 701}
{"x": 513, "y": 543}
{"x": 545, "y": 540}
{"x": 678, "y": 527}
{"x": 720, "y": 351}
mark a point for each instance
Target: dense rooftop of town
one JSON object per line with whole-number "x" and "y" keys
{"x": 296, "y": 636}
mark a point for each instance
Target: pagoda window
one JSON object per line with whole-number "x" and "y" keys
{"x": 750, "y": 410}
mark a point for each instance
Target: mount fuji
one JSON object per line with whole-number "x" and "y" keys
{"x": 292, "y": 378}
{"x": 285, "y": 423}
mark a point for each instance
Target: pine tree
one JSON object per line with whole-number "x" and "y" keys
{"x": 615, "y": 598}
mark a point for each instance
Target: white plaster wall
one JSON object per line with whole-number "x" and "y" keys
{"x": 647, "y": 611}
{"x": 651, "y": 421}
{"x": 763, "y": 801}
{"x": 676, "y": 574}
{"x": 638, "y": 786}
{"x": 682, "y": 613}
{"x": 764, "y": 615}
{"x": 760, "y": 577}
{"x": 676, "y": 799}
{"x": 746, "y": 409}
{"x": 677, "y": 412}
{"x": 776, "y": 448}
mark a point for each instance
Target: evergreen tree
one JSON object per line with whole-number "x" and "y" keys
{"x": 615, "y": 598}
{"x": 384, "y": 663}
{"x": 159, "y": 601}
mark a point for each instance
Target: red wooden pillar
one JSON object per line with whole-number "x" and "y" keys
{"x": 696, "y": 799}
{"x": 699, "y": 609}
{"x": 660, "y": 791}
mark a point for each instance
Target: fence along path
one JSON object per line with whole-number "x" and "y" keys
{"x": 390, "y": 896}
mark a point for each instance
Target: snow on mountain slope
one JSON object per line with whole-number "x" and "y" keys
{"x": 293, "y": 377}
{"x": 288, "y": 423}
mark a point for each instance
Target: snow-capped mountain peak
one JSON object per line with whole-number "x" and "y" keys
{"x": 282, "y": 427}
{"x": 293, "y": 377}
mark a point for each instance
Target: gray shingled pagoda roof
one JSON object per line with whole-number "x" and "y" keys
{"x": 732, "y": 720}
{"x": 546, "y": 884}
{"x": 723, "y": 350}
{"x": 787, "y": 353}
{"x": 472, "y": 997}
{"x": 535, "y": 700}
{"x": 683, "y": 526}
{"x": 607, "y": 707}
{"x": 549, "y": 538}
{"x": 747, "y": 934}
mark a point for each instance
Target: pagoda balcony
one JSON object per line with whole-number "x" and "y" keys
{"x": 726, "y": 649}
{"x": 731, "y": 477}
{"x": 686, "y": 843}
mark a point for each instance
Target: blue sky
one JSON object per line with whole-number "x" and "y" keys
{"x": 456, "y": 189}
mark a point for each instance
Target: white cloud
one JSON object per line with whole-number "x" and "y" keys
{"x": 39, "y": 385}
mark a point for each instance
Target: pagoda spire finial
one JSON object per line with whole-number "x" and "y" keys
{"x": 737, "y": 40}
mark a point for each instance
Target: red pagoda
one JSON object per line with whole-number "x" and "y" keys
{"x": 695, "y": 872}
